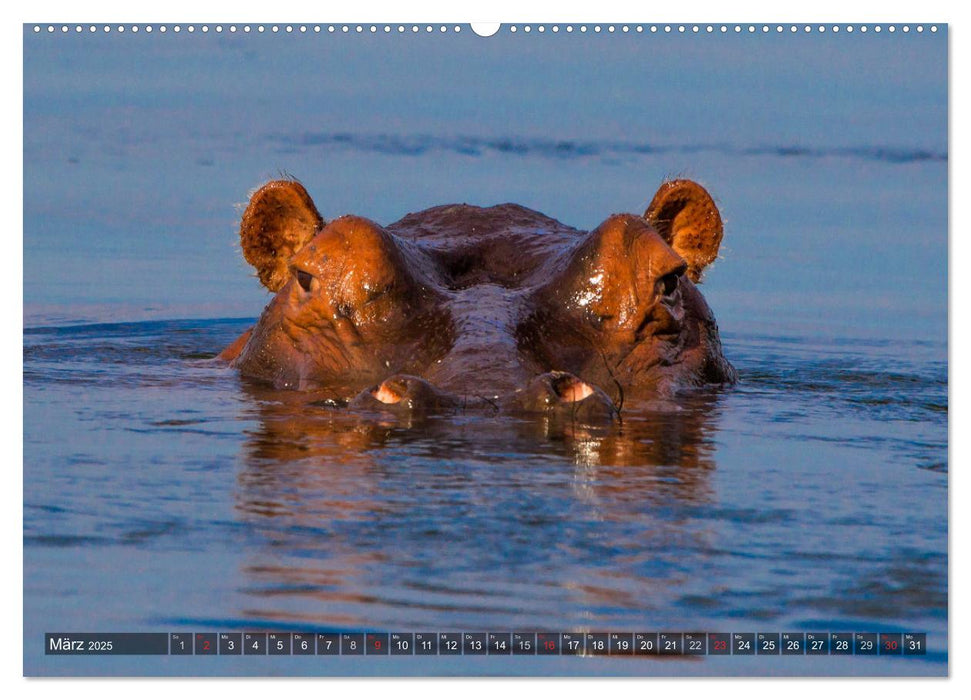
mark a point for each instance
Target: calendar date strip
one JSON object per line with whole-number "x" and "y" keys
{"x": 487, "y": 644}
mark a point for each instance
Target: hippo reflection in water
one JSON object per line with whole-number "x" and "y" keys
{"x": 462, "y": 307}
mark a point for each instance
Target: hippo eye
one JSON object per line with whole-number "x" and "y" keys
{"x": 669, "y": 283}
{"x": 304, "y": 279}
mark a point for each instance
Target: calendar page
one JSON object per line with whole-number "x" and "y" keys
{"x": 543, "y": 349}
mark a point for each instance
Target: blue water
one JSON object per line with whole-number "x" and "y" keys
{"x": 164, "y": 493}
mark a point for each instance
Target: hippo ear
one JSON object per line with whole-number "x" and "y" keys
{"x": 280, "y": 219}
{"x": 686, "y": 217}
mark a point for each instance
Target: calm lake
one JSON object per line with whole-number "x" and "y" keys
{"x": 163, "y": 493}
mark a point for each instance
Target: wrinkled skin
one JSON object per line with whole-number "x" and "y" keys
{"x": 501, "y": 308}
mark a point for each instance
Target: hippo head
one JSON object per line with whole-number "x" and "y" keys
{"x": 466, "y": 307}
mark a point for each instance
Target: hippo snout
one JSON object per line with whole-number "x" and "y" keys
{"x": 557, "y": 394}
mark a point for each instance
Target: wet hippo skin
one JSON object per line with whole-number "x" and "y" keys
{"x": 502, "y": 308}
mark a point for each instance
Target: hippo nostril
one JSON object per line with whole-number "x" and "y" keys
{"x": 563, "y": 396}
{"x": 403, "y": 394}
{"x": 386, "y": 394}
{"x": 569, "y": 388}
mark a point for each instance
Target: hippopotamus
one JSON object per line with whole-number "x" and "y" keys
{"x": 461, "y": 307}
